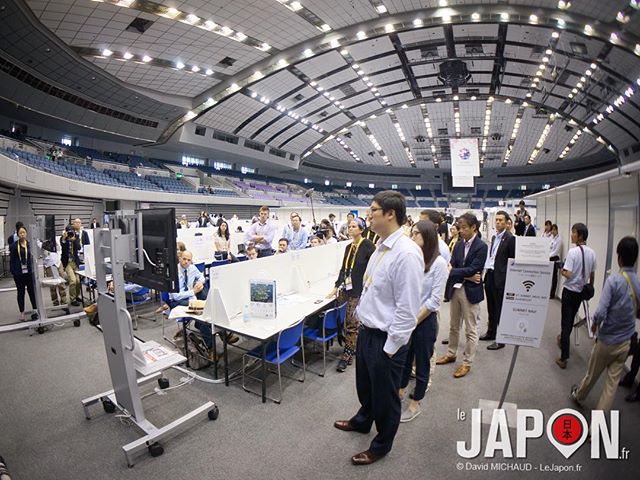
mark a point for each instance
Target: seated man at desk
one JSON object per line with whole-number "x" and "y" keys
{"x": 192, "y": 287}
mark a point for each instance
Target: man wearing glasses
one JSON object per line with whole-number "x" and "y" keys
{"x": 387, "y": 313}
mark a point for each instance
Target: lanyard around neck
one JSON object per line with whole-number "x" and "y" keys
{"x": 26, "y": 252}
{"x": 353, "y": 251}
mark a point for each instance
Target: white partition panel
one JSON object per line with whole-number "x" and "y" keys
{"x": 541, "y": 212}
{"x": 288, "y": 270}
{"x": 563, "y": 220}
{"x": 598, "y": 224}
{"x": 552, "y": 213}
{"x": 578, "y": 212}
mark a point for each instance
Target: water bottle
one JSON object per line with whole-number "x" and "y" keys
{"x": 246, "y": 314}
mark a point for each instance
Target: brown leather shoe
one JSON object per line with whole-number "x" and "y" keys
{"x": 344, "y": 425}
{"x": 231, "y": 339}
{"x": 461, "y": 371}
{"x": 443, "y": 360}
{"x": 91, "y": 309}
{"x": 561, "y": 363}
{"x": 365, "y": 458}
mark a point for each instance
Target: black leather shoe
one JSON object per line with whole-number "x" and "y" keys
{"x": 487, "y": 338}
{"x": 365, "y": 458}
{"x": 445, "y": 341}
{"x": 342, "y": 365}
{"x": 495, "y": 346}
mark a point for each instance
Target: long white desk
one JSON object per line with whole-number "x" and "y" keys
{"x": 292, "y": 307}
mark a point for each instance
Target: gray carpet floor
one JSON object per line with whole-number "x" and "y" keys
{"x": 44, "y": 435}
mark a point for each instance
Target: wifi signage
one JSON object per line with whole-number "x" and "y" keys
{"x": 525, "y": 303}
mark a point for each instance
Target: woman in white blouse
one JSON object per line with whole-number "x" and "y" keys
{"x": 222, "y": 242}
{"x": 423, "y": 338}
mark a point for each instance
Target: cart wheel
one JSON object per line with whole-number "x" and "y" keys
{"x": 76, "y": 323}
{"x": 163, "y": 383}
{"x": 108, "y": 406}
{"x": 155, "y": 449}
{"x": 213, "y": 413}
{"x": 41, "y": 330}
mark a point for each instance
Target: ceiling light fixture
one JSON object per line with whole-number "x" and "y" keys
{"x": 555, "y": 35}
{"x": 344, "y": 52}
{"x": 209, "y": 72}
{"x": 265, "y": 47}
{"x": 195, "y": 69}
{"x": 106, "y": 52}
{"x": 381, "y": 9}
{"x": 588, "y": 29}
{"x": 179, "y": 65}
{"x": 295, "y": 6}
{"x": 443, "y": 3}
{"x": 475, "y": 16}
{"x": 613, "y": 37}
{"x": 146, "y": 59}
{"x": 324, "y": 27}
{"x": 504, "y": 17}
{"x": 308, "y": 53}
{"x": 533, "y": 18}
{"x": 192, "y": 19}
{"x": 127, "y": 56}
{"x": 417, "y": 22}
{"x": 389, "y": 27}
{"x": 563, "y": 5}
{"x": 361, "y": 35}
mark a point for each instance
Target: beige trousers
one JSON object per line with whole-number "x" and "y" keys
{"x": 74, "y": 281}
{"x": 56, "y": 290}
{"x": 463, "y": 311}
{"x": 604, "y": 357}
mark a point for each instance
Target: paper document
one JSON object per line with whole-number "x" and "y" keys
{"x": 532, "y": 249}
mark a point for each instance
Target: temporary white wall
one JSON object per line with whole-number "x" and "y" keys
{"x": 608, "y": 204}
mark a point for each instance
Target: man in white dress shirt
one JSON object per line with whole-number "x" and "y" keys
{"x": 261, "y": 233}
{"x": 387, "y": 313}
{"x": 554, "y": 256}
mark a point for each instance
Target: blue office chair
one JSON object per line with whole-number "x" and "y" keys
{"x": 140, "y": 297}
{"x": 325, "y": 334}
{"x": 289, "y": 343}
{"x": 200, "y": 267}
{"x": 342, "y": 313}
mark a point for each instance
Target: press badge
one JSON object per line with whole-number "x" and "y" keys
{"x": 25, "y": 268}
{"x": 347, "y": 283}
{"x": 457, "y": 285}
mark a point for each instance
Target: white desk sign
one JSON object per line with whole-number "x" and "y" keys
{"x": 526, "y": 299}
{"x": 532, "y": 250}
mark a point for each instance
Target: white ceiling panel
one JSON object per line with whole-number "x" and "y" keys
{"x": 340, "y": 13}
{"x": 528, "y": 135}
{"x": 387, "y": 136}
{"x": 318, "y": 66}
{"x": 303, "y": 141}
{"x": 230, "y": 114}
{"x": 268, "y": 116}
{"x": 271, "y": 130}
{"x": 277, "y": 85}
{"x": 335, "y": 150}
{"x": 370, "y": 47}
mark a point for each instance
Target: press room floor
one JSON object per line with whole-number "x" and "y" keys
{"x": 44, "y": 434}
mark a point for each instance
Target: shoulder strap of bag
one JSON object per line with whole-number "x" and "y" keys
{"x": 633, "y": 293}
{"x": 584, "y": 268}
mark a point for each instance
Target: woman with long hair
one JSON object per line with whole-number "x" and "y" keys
{"x": 423, "y": 338}
{"x": 348, "y": 286}
{"x": 20, "y": 265}
{"x": 222, "y": 242}
{"x": 455, "y": 236}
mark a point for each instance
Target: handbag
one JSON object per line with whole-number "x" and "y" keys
{"x": 587, "y": 291}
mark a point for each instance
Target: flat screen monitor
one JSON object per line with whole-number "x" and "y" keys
{"x": 159, "y": 242}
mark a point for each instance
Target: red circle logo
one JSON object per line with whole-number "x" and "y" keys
{"x": 567, "y": 429}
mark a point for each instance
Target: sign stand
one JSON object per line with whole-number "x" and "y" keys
{"x": 508, "y": 380}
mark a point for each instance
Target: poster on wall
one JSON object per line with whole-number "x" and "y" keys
{"x": 465, "y": 158}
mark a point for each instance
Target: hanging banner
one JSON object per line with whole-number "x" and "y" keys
{"x": 465, "y": 157}
{"x": 524, "y": 308}
{"x": 462, "y": 181}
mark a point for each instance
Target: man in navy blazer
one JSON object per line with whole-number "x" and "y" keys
{"x": 529, "y": 229}
{"x": 501, "y": 249}
{"x": 465, "y": 292}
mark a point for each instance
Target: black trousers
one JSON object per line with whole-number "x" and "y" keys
{"x": 570, "y": 305}
{"x": 421, "y": 347}
{"x": 494, "y": 302}
{"x": 554, "y": 276}
{"x": 377, "y": 382}
{"x": 25, "y": 281}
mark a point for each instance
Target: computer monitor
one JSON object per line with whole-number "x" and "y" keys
{"x": 159, "y": 243}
